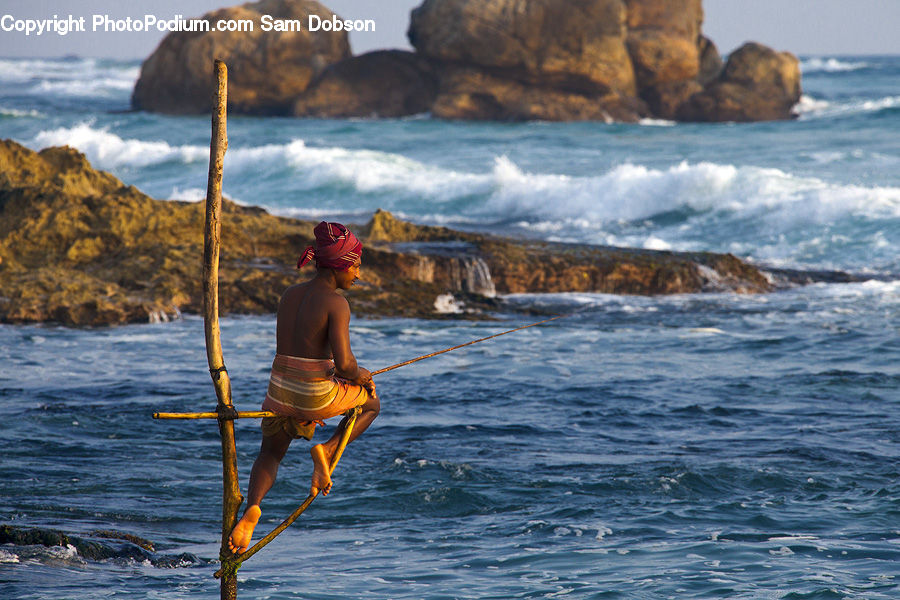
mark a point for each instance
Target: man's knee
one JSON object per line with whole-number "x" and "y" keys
{"x": 373, "y": 404}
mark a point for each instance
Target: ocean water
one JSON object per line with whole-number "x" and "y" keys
{"x": 696, "y": 446}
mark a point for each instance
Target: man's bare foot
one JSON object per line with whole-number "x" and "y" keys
{"x": 321, "y": 480}
{"x": 243, "y": 531}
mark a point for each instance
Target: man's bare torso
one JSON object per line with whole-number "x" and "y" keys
{"x": 303, "y": 315}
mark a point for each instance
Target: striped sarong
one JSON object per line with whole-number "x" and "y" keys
{"x": 307, "y": 390}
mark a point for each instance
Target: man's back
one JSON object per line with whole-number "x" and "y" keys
{"x": 303, "y": 320}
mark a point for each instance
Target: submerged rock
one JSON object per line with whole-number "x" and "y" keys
{"x": 96, "y": 546}
{"x": 79, "y": 247}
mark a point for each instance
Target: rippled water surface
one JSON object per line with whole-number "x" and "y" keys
{"x": 714, "y": 446}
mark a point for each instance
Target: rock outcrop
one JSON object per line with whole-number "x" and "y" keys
{"x": 95, "y": 546}
{"x": 757, "y": 84}
{"x": 544, "y": 59}
{"x": 79, "y": 247}
{"x": 664, "y": 44}
{"x": 267, "y": 70}
{"x": 557, "y": 60}
{"x": 390, "y": 83}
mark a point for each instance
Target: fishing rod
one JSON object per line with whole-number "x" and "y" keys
{"x": 484, "y": 339}
{"x": 256, "y": 414}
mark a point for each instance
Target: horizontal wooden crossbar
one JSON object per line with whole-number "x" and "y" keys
{"x": 242, "y": 414}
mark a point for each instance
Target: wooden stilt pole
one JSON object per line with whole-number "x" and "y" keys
{"x": 231, "y": 495}
{"x": 236, "y": 560}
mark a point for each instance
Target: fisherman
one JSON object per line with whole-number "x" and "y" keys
{"x": 315, "y": 375}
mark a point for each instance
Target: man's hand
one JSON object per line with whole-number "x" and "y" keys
{"x": 365, "y": 379}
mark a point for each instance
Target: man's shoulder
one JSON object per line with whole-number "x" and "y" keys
{"x": 337, "y": 301}
{"x": 293, "y": 293}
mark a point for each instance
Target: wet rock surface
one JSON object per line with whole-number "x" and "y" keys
{"x": 94, "y": 546}
{"x": 79, "y": 247}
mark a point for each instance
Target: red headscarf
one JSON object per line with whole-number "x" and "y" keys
{"x": 336, "y": 248}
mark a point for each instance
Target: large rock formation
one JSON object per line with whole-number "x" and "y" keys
{"x": 612, "y": 60}
{"x": 267, "y": 70}
{"x": 79, "y": 247}
{"x": 558, "y": 60}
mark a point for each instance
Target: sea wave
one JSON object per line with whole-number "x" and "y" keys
{"x": 70, "y": 77}
{"x": 100, "y": 86}
{"x": 810, "y": 107}
{"x": 657, "y": 122}
{"x": 106, "y": 150}
{"x": 830, "y": 65}
{"x": 360, "y": 171}
{"x": 632, "y": 192}
{"x": 20, "y": 114}
{"x": 884, "y": 295}
{"x": 625, "y": 193}
{"x": 765, "y": 213}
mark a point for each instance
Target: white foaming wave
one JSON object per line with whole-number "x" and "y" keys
{"x": 810, "y": 105}
{"x": 8, "y": 557}
{"x": 70, "y": 77}
{"x": 17, "y": 113}
{"x": 107, "y": 150}
{"x": 85, "y": 87}
{"x": 365, "y": 171}
{"x": 657, "y": 123}
{"x": 812, "y": 108}
{"x": 187, "y": 194}
{"x": 26, "y": 69}
{"x": 552, "y": 204}
{"x": 629, "y": 193}
{"x": 885, "y": 292}
{"x": 830, "y": 65}
{"x": 881, "y": 294}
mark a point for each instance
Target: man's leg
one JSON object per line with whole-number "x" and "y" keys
{"x": 262, "y": 476}
{"x": 322, "y": 454}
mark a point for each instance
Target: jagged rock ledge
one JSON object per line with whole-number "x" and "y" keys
{"x": 81, "y": 248}
{"x": 94, "y": 546}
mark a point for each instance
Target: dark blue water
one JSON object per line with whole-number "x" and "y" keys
{"x": 714, "y": 446}
{"x": 711, "y": 446}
